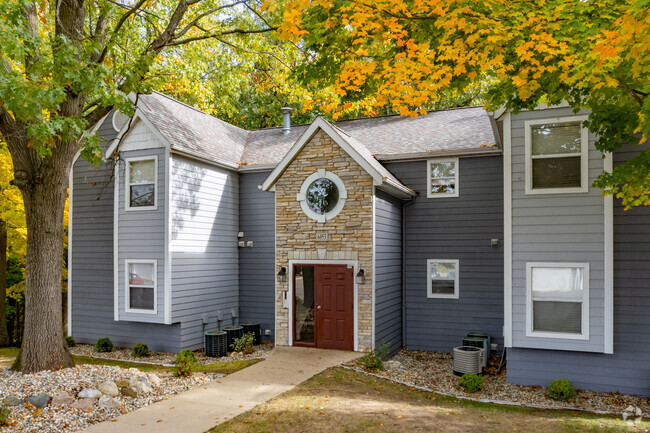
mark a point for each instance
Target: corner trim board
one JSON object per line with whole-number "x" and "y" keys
{"x": 608, "y": 264}
{"x": 507, "y": 229}
{"x": 116, "y": 213}
{"x": 168, "y": 238}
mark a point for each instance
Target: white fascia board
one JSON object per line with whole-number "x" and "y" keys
{"x": 317, "y": 124}
{"x": 396, "y": 190}
{"x": 609, "y": 262}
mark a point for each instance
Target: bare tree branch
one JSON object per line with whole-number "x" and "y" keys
{"x": 218, "y": 35}
{"x": 118, "y": 26}
{"x": 246, "y": 50}
{"x": 195, "y": 21}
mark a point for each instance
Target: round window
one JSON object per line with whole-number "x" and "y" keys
{"x": 322, "y": 196}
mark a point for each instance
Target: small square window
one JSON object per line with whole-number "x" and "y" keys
{"x": 442, "y": 178}
{"x": 141, "y": 286}
{"x": 442, "y": 278}
{"x": 556, "y": 156}
{"x": 141, "y": 184}
{"x": 558, "y": 299}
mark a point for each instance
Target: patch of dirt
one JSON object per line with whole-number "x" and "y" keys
{"x": 341, "y": 400}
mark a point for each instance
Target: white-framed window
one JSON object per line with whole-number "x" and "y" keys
{"x": 442, "y": 278}
{"x": 141, "y": 285}
{"x": 322, "y": 195}
{"x": 141, "y": 181}
{"x": 442, "y": 178}
{"x": 557, "y": 300}
{"x": 556, "y": 156}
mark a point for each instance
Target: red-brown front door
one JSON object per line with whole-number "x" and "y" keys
{"x": 323, "y": 306}
{"x": 334, "y": 307}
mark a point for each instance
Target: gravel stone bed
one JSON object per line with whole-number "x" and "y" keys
{"x": 63, "y": 418}
{"x": 166, "y": 358}
{"x": 433, "y": 370}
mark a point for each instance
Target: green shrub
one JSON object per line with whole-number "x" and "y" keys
{"x": 140, "y": 350}
{"x": 244, "y": 344}
{"x": 104, "y": 345}
{"x": 70, "y": 341}
{"x": 471, "y": 382}
{"x": 561, "y": 389}
{"x": 4, "y": 415}
{"x": 374, "y": 360}
{"x": 185, "y": 362}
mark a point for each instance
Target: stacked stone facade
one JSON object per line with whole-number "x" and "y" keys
{"x": 349, "y": 233}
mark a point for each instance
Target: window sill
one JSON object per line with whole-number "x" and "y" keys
{"x": 557, "y": 335}
{"x": 580, "y": 190}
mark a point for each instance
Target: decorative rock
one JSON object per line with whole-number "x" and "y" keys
{"x": 394, "y": 364}
{"x": 62, "y": 398}
{"x": 154, "y": 379}
{"x": 126, "y": 391}
{"x": 85, "y": 404}
{"x": 141, "y": 387}
{"x": 109, "y": 388}
{"x": 107, "y": 402}
{"x": 39, "y": 401}
{"x": 121, "y": 383}
{"x": 89, "y": 393}
{"x": 12, "y": 401}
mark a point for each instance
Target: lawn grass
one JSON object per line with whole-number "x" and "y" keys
{"x": 341, "y": 400}
{"x": 8, "y": 354}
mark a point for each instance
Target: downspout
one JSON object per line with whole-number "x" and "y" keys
{"x": 404, "y": 206}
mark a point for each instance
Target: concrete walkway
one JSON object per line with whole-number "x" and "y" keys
{"x": 200, "y": 409}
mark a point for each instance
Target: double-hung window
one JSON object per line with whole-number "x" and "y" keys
{"x": 141, "y": 183}
{"x": 556, "y": 156}
{"x": 141, "y": 286}
{"x": 442, "y": 278}
{"x": 442, "y": 178}
{"x": 558, "y": 300}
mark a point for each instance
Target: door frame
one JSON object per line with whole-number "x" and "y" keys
{"x": 290, "y": 295}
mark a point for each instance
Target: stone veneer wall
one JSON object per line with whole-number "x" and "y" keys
{"x": 350, "y": 232}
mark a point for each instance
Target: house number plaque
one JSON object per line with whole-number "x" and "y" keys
{"x": 322, "y": 237}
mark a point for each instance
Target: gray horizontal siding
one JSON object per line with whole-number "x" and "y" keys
{"x": 204, "y": 215}
{"x": 257, "y": 264}
{"x": 556, "y": 228}
{"x": 454, "y": 228}
{"x": 91, "y": 264}
{"x": 627, "y": 370}
{"x": 388, "y": 271}
{"x": 141, "y": 233}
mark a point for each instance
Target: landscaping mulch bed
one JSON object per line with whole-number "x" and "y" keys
{"x": 433, "y": 370}
{"x": 165, "y": 358}
{"x": 25, "y": 417}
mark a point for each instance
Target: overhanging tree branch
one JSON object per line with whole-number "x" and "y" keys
{"x": 218, "y": 35}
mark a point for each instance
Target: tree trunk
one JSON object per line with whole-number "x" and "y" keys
{"x": 43, "y": 344}
{"x": 4, "y": 335}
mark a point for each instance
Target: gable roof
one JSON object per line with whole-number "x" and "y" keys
{"x": 381, "y": 176}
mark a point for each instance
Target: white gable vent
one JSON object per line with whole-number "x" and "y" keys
{"x": 119, "y": 120}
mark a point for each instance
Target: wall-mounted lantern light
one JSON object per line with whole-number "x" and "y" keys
{"x": 361, "y": 277}
{"x": 282, "y": 275}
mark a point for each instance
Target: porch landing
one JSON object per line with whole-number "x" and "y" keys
{"x": 200, "y": 409}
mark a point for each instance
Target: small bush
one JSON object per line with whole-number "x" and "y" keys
{"x": 140, "y": 350}
{"x": 70, "y": 341}
{"x": 471, "y": 382}
{"x": 374, "y": 360}
{"x": 244, "y": 344}
{"x": 104, "y": 345}
{"x": 185, "y": 362}
{"x": 4, "y": 415}
{"x": 561, "y": 389}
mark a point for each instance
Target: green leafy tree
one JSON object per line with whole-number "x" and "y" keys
{"x": 63, "y": 66}
{"x": 413, "y": 55}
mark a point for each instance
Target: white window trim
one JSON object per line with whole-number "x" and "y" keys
{"x": 585, "y": 301}
{"x": 456, "y": 184}
{"x": 127, "y": 183}
{"x": 127, "y": 287}
{"x": 456, "y": 294}
{"x": 302, "y": 195}
{"x": 584, "y": 156}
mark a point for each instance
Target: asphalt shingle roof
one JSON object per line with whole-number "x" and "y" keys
{"x": 197, "y": 133}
